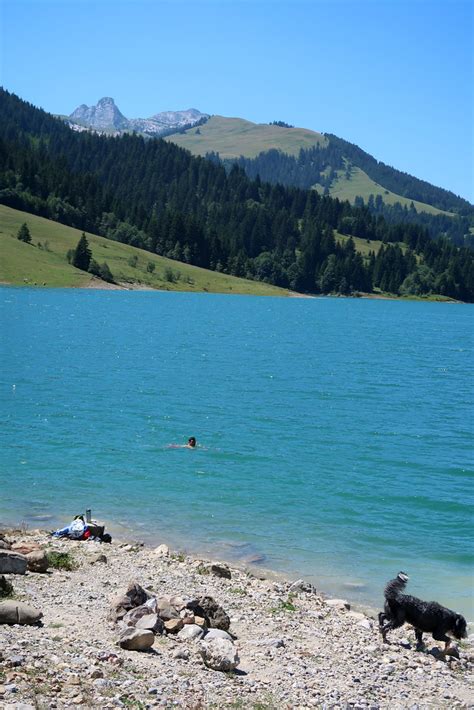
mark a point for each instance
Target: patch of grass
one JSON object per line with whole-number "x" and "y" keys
{"x": 239, "y": 591}
{"x": 27, "y": 265}
{"x": 202, "y": 569}
{"x": 285, "y": 605}
{"x": 61, "y": 560}
{"x": 178, "y": 556}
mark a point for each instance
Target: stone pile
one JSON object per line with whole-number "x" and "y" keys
{"x": 141, "y": 616}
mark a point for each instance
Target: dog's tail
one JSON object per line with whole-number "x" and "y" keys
{"x": 396, "y": 586}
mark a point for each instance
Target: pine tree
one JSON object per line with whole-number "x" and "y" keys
{"x": 82, "y": 254}
{"x": 24, "y": 234}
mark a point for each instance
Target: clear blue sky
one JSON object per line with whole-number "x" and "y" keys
{"x": 393, "y": 76}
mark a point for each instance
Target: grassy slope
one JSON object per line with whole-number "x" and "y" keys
{"x": 361, "y": 184}
{"x": 232, "y": 137}
{"x": 24, "y": 263}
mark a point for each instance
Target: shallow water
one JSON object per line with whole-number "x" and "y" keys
{"x": 336, "y": 433}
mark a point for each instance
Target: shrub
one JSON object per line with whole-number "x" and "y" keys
{"x": 61, "y": 560}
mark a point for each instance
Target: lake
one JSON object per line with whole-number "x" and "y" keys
{"x": 335, "y": 434}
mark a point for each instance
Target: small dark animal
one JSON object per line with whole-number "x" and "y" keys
{"x": 425, "y": 617}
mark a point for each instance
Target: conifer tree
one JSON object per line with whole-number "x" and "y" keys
{"x": 82, "y": 254}
{"x": 24, "y": 234}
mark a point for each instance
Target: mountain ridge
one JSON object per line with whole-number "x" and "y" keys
{"x": 106, "y": 117}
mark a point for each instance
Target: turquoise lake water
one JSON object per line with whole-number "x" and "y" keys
{"x": 336, "y": 433}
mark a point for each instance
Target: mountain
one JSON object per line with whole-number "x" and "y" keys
{"x": 278, "y": 153}
{"x": 105, "y": 117}
{"x": 156, "y": 196}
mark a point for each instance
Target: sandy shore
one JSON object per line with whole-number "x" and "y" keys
{"x": 296, "y": 649}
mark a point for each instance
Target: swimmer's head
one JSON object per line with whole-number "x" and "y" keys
{"x": 192, "y": 441}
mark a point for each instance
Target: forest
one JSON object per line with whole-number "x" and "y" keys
{"x": 157, "y": 196}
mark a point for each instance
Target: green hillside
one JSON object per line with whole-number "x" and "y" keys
{"x": 360, "y": 184}
{"x": 232, "y": 137}
{"x": 44, "y": 263}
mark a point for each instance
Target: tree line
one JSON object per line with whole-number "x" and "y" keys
{"x": 157, "y": 196}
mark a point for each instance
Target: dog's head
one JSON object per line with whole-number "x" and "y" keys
{"x": 460, "y": 627}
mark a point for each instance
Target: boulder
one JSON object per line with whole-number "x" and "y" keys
{"x": 136, "y": 639}
{"x": 191, "y": 632}
{"x": 133, "y": 597}
{"x": 133, "y": 616}
{"x": 217, "y": 634}
{"x": 12, "y": 562}
{"x": 219, "y": 654}
{"x": 4, "y": 544}
{"x": 152, "y": 622}
{"x": 37, "y": 561}
{"x": 13, "y": 612}
{"x": 209, "y": 609}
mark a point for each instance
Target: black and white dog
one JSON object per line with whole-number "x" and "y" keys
{"x": 425, "y": 617}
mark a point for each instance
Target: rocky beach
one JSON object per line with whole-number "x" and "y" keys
{"x": 208, "y": 635}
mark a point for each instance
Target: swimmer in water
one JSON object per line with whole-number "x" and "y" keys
{"x": 191, "y": 443}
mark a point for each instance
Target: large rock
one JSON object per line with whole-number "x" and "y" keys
{"x": 37, "y": 561}
{"x": 136, "y": 639}
{"x": 12, "y": 562}
{"x": 210, "y": 610}
{"x": 217, "y": 634}
{"x": 13, "y": 612}
{"x": 191, "y": 632}
{"x": 133, "y": 597}
{"x": 133, "y": 616}
{"x": 219, "y": 654}
{"x": 152, "y": 622}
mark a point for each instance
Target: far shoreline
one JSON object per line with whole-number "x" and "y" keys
{"x": 97, "y": 285}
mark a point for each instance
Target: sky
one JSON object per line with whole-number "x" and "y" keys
{"x": 393, "y": 76}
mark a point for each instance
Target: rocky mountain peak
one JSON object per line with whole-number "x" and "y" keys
{"x": 106, "y": 116}
{"x": 103, "y": 116}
